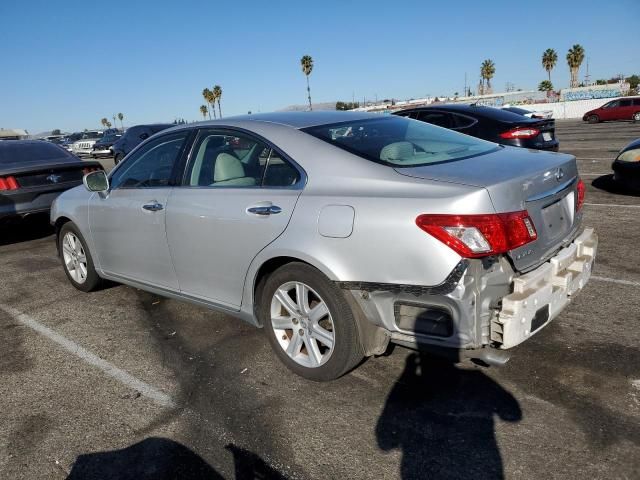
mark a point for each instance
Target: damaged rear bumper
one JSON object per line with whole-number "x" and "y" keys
{"x": 539, "y": 296}
{"x": 483, "y": 308}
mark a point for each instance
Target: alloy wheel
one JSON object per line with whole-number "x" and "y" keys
{"x": 75, "y": 258}
{"x": 302, "y": 324}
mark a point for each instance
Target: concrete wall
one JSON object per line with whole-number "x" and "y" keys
{"x": 568, "y": 109}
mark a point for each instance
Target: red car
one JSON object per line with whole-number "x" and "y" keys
{"x": 626, "y": 108}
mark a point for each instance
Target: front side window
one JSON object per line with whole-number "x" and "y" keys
{"x": 613, "y": 104}
{"x": 400, "y": 142}
{"x": 225, "y": 159}
{"x": 152, "y": 164}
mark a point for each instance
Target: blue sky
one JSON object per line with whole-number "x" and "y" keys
{"x": 67, "y": 64}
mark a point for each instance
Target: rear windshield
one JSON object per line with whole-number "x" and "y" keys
{"x": 400, "y": 142}
{"x": 11, "y": 152}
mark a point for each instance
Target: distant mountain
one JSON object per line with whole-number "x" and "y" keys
{"x": 304, "y": 108}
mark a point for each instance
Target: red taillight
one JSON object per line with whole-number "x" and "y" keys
{"x": 520, "y": 133}
{"x": 9, "y": 183}
{"x": 474, "y": 236}
{"x": 580, "y": 190}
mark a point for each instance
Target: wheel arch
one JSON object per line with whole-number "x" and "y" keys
{"x": 57, "y": 225}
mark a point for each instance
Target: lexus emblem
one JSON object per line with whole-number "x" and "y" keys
{"x": 53, "y": 178}
{"x": 559, "y": 174}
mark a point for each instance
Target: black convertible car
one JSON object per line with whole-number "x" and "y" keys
{"x": 493, "y": 124}
{"x": 33, "y": 173}
{"x": 626, "y": 166}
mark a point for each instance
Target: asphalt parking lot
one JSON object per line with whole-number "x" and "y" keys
{"x": 124, "y": 384}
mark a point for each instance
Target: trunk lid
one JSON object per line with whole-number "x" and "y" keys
{"x": 542, "y": 183}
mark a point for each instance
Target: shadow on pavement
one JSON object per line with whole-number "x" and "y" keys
{"x": 441, "y": 418}
{"x": 165, "y": 459}
{"x": 608, "y": 184}
{"x": 17, "y": 230}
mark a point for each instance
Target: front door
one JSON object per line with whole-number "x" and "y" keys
{"x": 238, "y": 196}
{"x": 128, "y": 223}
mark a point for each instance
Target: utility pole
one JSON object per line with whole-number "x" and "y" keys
{"x": 587, "y": 77}
{"x": 465, "y": 85}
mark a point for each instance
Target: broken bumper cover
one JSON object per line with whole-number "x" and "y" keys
{"x": 539, "y": 296}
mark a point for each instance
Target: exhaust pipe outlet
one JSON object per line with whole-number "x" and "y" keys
{"x": 490, "y": 357}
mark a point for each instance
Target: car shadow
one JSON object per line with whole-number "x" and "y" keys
{"x": 164, "y": 459}
{"x": 18, "y": 230}
{"x": 608, "y": 184}
{"x": 441, "y": 418}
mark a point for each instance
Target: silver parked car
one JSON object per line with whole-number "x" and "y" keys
{"x": 338, "y": 233}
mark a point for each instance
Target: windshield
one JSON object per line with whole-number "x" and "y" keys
{"x": 91, "y": 135}
{"x": 400, "y": 142}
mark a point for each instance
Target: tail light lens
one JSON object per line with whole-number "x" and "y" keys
{"x": 520, "y": 133}
{"x": 8, "y": 183}
{"x": 475, "y": 236}
{"x": 580, "y": 190}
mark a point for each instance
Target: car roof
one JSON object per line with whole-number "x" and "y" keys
{"x": 474, "y": 110}
{"x": 299, "y": 120}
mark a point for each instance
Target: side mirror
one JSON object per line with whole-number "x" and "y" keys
{"x": 96, "y": 181}
{"x": 144, "y": 136}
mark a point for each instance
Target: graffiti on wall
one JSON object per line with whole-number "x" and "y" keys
{"x": 595, "y": 92}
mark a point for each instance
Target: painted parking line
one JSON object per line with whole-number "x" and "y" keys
{"x": 615, "y": 280}
{"x": 611, "y": 205}
{"x": 123, "y": 377}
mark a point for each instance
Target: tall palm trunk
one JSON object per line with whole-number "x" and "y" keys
{"x": 549, "y": 73}
{"x": 213, "y": 107}
{"x": 309, "y": 93}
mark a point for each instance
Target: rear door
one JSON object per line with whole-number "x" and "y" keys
{"x": 237, "y": 196}
{"x": 625, "y": 110}
{"x": 128, "y": 224}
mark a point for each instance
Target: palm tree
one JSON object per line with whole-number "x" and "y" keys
{"x": 306, "y": 62}
{"x": 121, "y": 117}
{"x": 207, "y": 94}
{"x": 549, "y": 59}
{"x": 204, "y": 110}
{"x": 575, "y": 56}
{"x": 104, "y": 121}
{"x": 545, "y": 86}
{"x": 487, "y": 71}
{"x": 217, "y": 95}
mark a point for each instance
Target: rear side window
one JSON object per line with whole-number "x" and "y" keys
{"x": 399, "y": 142}
{"x": 625, "y": 103}
{"x": 636, "y": 102}
{"x": 226, "y": 159}
{"x": 435, "y": 118}
{"x": 461, "y": 121}
{"x": 14, "y": 152}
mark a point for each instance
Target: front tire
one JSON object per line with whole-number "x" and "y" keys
{"x": 593, "y": 119}
{"x": 76, "y": 259}
{"x": 117, "y": 158}
{"x": 309, "y": 323}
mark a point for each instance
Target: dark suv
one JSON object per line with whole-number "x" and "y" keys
{"x": 134, "y": 136}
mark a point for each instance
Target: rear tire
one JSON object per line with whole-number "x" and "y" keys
{"x": 636, "y": 117}
{"x": 76, "y": 259}
{"x": 593, "y": 119}
{"x": 316, "y": 338}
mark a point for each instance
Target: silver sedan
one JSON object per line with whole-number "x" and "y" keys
{"x": 339, "y": 233}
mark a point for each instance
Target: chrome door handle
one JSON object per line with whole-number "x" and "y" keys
{"x": 153, "y": 207}
{"x": 264, "y": 210}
